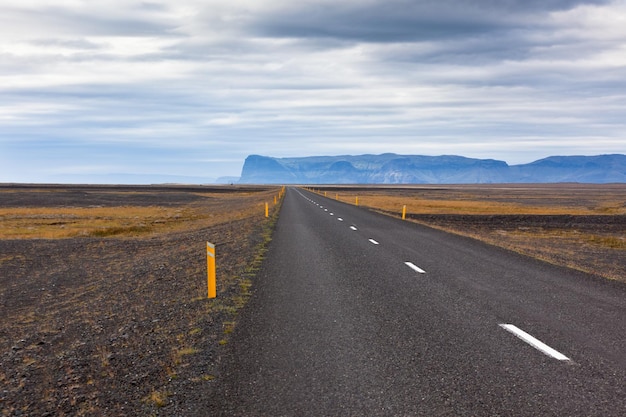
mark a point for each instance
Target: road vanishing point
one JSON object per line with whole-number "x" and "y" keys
{"x": 359, "y": 314}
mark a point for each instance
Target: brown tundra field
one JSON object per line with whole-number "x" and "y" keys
{"x": 104, "y": 294}
{"x": 103, "y": 288}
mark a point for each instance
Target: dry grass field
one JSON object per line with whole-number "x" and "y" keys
{"x": 103, "y": 289}
{"x": 581, "y": 226}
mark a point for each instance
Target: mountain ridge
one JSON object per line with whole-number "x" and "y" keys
{"x": 390, "y": 168}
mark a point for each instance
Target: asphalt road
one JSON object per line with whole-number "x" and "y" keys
{"x": 340, "y": 324}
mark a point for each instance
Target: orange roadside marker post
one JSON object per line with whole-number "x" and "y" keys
{"x": 210, "y": 256}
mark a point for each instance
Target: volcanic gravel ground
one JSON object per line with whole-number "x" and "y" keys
{"x": 107, "y": 196}
{"x": 574, "y": 241}
{"x": 118, "y": 326}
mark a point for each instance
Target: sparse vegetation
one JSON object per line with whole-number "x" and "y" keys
{"x": 122, "y": 221}
{"x": 229, "y": 326}
{"x": 157, "y": 398}
{"x": 104, "y": 293}
{"x": 482, "y": 199}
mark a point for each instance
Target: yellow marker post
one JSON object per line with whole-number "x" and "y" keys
{"x": 274, "y": 199}
{"x": 356, "y": 202}
{"x": 267, "y": 210}
{"x": 404, "y": 212}
{"x": 210, "y": 257}
{"x": 325, "y": 193}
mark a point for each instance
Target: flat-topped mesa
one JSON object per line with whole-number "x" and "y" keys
{"x": 419, "y": 169}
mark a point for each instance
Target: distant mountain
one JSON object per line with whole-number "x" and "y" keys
{"x": 589, "y": 169}
{"x": 416, "y": 169}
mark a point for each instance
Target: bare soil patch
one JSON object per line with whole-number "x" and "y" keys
{"x": 580, "y": 226}
{"x": 114, "y": 320}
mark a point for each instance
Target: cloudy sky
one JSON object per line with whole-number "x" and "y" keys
{"x": 145, "y": 91}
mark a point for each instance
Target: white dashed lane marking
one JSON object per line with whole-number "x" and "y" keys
{"x": 374, "y": 242}
{"x": 537, "y": 344}
{"x": 415, "y": 267}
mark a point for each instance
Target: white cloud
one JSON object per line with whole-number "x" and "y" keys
{"x": 599, "y": 22}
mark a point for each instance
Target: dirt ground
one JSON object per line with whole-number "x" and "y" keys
{"x": 119, "y": 323}
{"x": 594, "y": 244}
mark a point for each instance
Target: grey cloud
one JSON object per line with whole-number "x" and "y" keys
{"x": 478, "y": 50}
{"x": 402, "y": 20}
{"x": 150, "y": 6}
{"x": 63, "y": 20}
{"x": 369, "y": 25}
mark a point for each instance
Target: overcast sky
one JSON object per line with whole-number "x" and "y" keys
{"x": 189, "y": 88}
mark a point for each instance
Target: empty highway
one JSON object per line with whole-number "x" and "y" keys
{"x": 359, "y": 314}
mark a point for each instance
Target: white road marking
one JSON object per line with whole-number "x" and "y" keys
{"x": 415, "y": 267}
{"x": 374, "y": 242}
{"x": 537, "y": 344}
{"x": 332, "y": 214}
{"x": 340, "y": 219}
{"x": 325, "y": 209}
{"x": 353, "y": 228}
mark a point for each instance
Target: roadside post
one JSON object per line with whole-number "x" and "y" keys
{"x": 210, "y": 256}
{"x": 404, "y": 212}
{"x": 267, "y": 210}
{"x": 356, "y": 201}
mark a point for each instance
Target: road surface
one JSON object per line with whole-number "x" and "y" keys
{"x": 359, "y": 314}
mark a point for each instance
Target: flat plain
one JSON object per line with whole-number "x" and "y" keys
{"x": 103, "y": 288}
{"x": 104, "y": 302}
